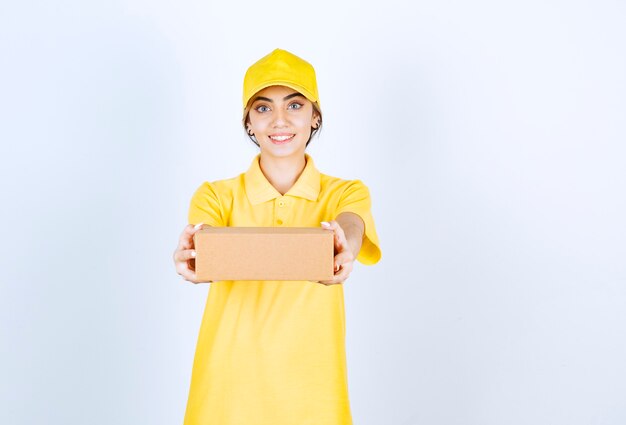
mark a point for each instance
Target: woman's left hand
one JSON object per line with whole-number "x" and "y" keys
{"x": 344, "y": 258}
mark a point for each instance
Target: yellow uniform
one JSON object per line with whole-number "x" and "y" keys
{"x": 273, "y": 352}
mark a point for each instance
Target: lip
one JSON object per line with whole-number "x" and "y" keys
{"x": 281, "y": 142}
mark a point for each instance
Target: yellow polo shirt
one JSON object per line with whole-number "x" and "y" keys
{"x": 273, "y": 352}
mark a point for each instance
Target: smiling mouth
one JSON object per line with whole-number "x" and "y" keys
{"x": 281, "y": 139}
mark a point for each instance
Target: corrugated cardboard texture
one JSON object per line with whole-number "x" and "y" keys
{"x": 264, "y": 253}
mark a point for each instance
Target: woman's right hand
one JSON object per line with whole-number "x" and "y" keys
{"x": 185, "y": 254}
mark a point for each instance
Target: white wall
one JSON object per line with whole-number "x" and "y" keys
{"x": 491, "y": 135}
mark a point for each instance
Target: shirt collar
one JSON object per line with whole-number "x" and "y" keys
{"x": 259, "y": 189}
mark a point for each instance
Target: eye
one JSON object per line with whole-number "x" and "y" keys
{"x": 295, "y": 105}
{"x": 262, "y": 108}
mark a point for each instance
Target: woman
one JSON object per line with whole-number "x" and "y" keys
{"x": 273, "y": 352}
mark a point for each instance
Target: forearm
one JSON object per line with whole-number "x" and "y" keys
{"x": 354, "y": 228}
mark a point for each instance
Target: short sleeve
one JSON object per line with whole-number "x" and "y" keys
{"x": 356, "y": 199}
{"x": 205, "y": 206}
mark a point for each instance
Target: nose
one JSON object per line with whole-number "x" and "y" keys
{"x": 280, "y": 118}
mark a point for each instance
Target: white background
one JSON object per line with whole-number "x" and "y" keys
{"x": 492, "y": 138}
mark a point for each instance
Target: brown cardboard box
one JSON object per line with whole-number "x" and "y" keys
{"x": 264, "y": 253}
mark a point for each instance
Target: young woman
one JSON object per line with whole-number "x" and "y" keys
{"x": 273, "y": 352}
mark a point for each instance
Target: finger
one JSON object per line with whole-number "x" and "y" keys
{"x": 328, "y": 282}
{"x": 344, "y": 273}
{"x": 184, "y": 255}
{"x": 340, "y": 276}
{"x": 186, "y": 238}
{"x": 185, "y": 241}
{"x": 188, "y": 275}
{"x": 337, "y": 279}
{"x": 339, "y": 237}
{"x": 331, "y": 281}
{"x": 343, "y": 258}
{"x": 343, "y": 264}
{"x": 188, "y": 272}
{"x": 332, "y": 224}
{"x": 340, "y": 241}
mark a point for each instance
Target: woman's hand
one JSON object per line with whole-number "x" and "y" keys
{"x": 344, "y": 258}
{"x": 185, "y": 254}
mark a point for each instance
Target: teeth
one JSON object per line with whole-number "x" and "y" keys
{"x": 280, "y": 138}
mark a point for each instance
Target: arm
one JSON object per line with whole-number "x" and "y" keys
{"x": 353, "y": 228}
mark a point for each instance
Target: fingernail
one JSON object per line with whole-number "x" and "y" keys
{"x": 193, "y": 254}
{"x": 197, "y": 226}
{"x": 325, "y": 223}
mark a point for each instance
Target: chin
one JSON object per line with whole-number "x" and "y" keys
{"x": 284, "y": 150}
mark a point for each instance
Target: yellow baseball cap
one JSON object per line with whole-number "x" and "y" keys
{"x": 280, "y": 68}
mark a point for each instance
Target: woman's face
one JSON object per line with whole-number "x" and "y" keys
{"x": 281, "y": 119}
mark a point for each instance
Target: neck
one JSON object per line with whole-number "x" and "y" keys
{"x": 282, "y": 173}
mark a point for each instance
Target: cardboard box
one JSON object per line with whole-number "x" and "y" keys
{"x": 264, "y": 253}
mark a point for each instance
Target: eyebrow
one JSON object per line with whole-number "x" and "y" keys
{"x": 267, "y": 99}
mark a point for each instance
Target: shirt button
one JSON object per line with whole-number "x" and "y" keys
{"x": 281, "y": 203}
{"x": 279, "y": 221}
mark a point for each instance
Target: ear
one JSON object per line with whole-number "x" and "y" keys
{"x": 315, "y": 120}
{"x": 246, "y": 121}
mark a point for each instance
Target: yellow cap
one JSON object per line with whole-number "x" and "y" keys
{"x": 280, "y": 68}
